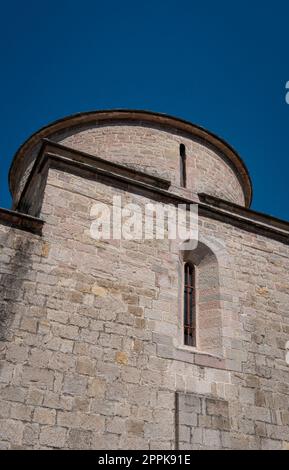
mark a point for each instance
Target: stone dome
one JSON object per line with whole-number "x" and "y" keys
{"x": 149, "y": 142}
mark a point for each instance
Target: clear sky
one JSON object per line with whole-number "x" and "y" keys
{"x": 220, "y": 64}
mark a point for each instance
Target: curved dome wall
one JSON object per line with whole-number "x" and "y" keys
{"x": 148, "y": 142}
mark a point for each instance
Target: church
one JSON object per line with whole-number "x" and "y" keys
{"x": 135, "y": 342}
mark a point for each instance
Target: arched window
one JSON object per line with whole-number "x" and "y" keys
{"x": 189, "y": 305}
{"x": 183, "y": 170}
{"x": 200, "y": 308}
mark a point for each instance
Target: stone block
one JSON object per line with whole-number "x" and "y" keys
{"x": 79, "y": 439}
{"x": 17, "y": 353}
{"x": 41, "y": 378}
{"x": 44, "y": 416}
{"x": 217, "y": 407}
{"x": 74, "y": 384}
{"x": 53, "y": 436}
{"x": 13, "y": 393}
{"x": 121, "y": 357}
{"x": 31, "y": 435}
{"x": 11, "y": 430}
{"x": 86, "y": 366}
{"x": 21, "y": 411}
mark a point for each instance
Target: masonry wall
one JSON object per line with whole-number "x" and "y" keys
{"x": 90, "y": 352}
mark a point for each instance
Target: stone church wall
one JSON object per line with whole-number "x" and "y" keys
{"x": 91, "y": 355}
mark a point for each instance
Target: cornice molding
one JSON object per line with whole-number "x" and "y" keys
{"x": 54, "y": 155}
{"x": 21, "y": 221}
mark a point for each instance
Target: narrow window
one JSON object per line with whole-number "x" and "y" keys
{"x": 189, "y": 305}
{"x": 183, "y": 170}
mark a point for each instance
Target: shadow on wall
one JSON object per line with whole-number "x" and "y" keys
{"x": 12, "y": 275}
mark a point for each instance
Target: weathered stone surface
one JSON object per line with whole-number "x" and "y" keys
{"x": 85, "y": 366}
{"x": 135, "y": 427}
{"x": 80, "y": 420}
{"x": 53, "y": 436}
{"x": 44, "y": 416}
{"x": 96, "y": 388}
{"x": 11, "y": 431}
{"x": 31, "y": 435}
{"x": 121, "y": 357}
{"x": 74, "y": 384}
{"x": 92, "y": 350}
{"x": 79, "y": 439}
{"x": 13, "y": 393}
{"x": 21, "y": 411}
{"x": 17, "y": 353}
{"x": 42, "y": 378}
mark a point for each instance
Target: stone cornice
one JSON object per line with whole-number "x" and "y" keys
{"x": 54, "y": 155}
{"x": 54, "y": 148}
{"x": 21, "y": 221}
{"x": 257, "y": 217}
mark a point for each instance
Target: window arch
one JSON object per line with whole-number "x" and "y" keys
{"x": 205, "y": 318}
{"x": 189, "y": 305}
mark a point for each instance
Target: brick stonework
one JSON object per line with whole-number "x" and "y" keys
{"x": 91, "y": 349}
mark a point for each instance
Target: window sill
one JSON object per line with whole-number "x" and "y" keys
{"x": 192, "y": 355}
{"x": 195, "y": 350}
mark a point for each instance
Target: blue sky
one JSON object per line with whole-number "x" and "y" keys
{"x": 219, "y": 64}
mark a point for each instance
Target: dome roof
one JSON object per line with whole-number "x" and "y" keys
{"x": 146, "y": 117}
